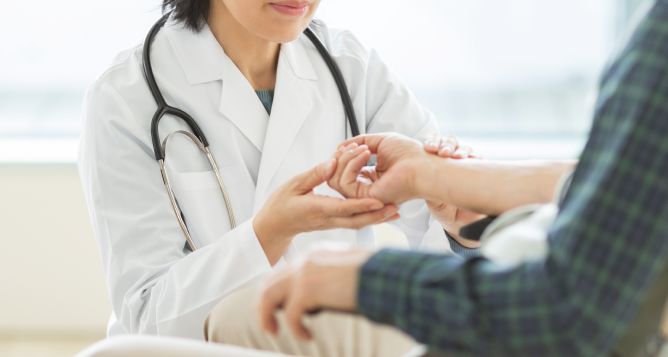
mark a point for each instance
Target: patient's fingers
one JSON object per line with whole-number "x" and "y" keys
{"x": 295, "y": 307}
{"x": 271, "y": 298}
{"x": 339, "y": 152}
{"x": 349, "y": 152}
{"x": 348, "y": 181}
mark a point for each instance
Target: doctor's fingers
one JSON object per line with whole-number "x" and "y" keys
{"x": 462, "y": 152}
{"x": 359, "y": 221}
{"x": 308, "y": 180}
{"x": 448, "y": 146}
{"x": 432, "y": 143}
{"x": 466, "y": 152}
{"x": 475, "y": 155}
{"x": 335, "y": 207}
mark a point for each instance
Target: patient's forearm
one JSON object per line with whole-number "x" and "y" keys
{"x": 491, "y": 187}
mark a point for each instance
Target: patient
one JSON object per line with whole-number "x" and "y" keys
{"x": 608, "y": 245}
{"x": 405, "y": 171}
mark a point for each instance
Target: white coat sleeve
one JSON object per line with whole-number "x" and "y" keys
{"x": 389, "y": 106}
{"x": 156, "y": 287}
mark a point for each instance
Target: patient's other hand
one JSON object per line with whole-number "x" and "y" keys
{"x": 321, "y": 279}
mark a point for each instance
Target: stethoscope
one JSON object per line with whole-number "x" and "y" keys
{"x": 197, "y": 136}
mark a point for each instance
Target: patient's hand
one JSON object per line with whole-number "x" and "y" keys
{"x": 450, "y": 217}
{"x": 394, "y": 179}
{"x": 354, "y": 180}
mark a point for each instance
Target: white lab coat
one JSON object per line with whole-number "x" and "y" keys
{"x": 156, "y": 286}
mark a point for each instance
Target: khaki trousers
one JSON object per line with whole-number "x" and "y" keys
{"x": 234, "y": 322}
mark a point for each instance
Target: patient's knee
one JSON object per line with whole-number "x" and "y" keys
{"x": 232, "y": 318}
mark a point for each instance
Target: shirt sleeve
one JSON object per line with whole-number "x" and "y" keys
{"x": 461, "y": 250}
{"x": 607, "y": 244}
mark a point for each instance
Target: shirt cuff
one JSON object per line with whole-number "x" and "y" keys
{"x": 251, "y": 246}
{"x": 461, "y": 250}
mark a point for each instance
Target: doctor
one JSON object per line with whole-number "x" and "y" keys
{"x": 271, "y": 111}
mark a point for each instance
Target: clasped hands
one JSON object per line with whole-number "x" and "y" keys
{"x": 403, "y": 172}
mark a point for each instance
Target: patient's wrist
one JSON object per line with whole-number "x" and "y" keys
{"x": 430, "y": 180}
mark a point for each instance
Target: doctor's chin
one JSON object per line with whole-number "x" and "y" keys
{"x": 334, "y": 178}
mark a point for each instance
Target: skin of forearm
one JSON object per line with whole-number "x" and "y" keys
{"x": 490, "y": 187}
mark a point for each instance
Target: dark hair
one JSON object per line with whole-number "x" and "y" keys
{"x": 191, "y": 13}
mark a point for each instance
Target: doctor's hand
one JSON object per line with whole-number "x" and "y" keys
{"x": 321, "y": 280}
{"x": 293, "y": 208}
{"x": 448, "y": 146}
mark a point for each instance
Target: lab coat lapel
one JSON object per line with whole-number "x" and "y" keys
{"x": 204, "y": 60}
{"x": 291, "y": 106}
{"x": 240, "y": 104}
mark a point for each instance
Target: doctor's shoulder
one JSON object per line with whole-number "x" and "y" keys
{"x": 118, "y": 107}
{"x": 122, "y": 61}
{"x": 122, "y": 82}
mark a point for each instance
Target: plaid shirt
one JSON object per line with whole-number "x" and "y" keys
{"x": 606, "y": 246}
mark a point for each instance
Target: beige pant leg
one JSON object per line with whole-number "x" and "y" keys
{"x": 154, "y": 346}
{"x": 234, "y": 321}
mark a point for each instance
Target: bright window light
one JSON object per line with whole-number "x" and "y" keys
{"x": 506, "y": 75}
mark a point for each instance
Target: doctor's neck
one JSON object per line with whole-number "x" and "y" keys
{"x": 254, "y": 56}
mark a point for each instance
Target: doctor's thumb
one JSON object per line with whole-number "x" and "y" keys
{"x": 308, "y": 180}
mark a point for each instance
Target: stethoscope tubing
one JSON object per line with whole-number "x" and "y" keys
{"x": 163, "y": 108}
{"x": 340, "y": 82}
{"x": 198, "y": 136}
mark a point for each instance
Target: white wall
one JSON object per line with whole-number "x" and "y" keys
{"x": 51, "y": 280}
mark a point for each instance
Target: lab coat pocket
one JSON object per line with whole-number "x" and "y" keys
{"x": 202, "y": 203}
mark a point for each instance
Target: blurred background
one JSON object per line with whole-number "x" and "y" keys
{"x": 515, "y": 79}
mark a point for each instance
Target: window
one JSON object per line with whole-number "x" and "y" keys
{"x": 514, "y": 78}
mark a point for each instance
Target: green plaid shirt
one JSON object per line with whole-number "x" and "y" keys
{"x": 606, "y": 246}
